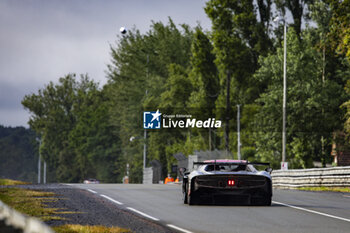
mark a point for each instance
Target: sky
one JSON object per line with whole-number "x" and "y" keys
{"x": 41, "y": 41}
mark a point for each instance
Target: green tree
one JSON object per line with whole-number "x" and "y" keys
{"x": 174, "y": 100}
{"x": 340, "y": 30}
{"x": 206, "y": 85}
{"x": 312, "y": 108}
{"x": 238, "y": 39}
{"x": 298, "y": 10}
{"x": 52, "y": 119}
{"x": 18, "y": 154}
{"x": 141, "y": 74}
{"x": 93, "y": 139}
{"x": 70, "y": 118}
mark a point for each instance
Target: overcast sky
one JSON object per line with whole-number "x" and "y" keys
{"x": 41, "y": 41}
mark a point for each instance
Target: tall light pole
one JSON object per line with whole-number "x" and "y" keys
{"x": 44, "y": 179}
{"x": 132, "y": 138}
{"x": 39, "y": 162}
{"x": 144, "y": 148}
{"x": 284, "y": 108}
{"x": 227, "y": 115}
{"x": 123, "y": 31}
{"x": 238, "y": 132}
{"x": 39, "y": 165}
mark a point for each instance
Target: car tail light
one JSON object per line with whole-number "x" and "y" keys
{"x": 231, "y": 182}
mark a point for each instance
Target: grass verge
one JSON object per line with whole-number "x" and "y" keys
{"x": 11, "y": 182}
{"x": 34, "y": 203}
{"x": 328, "y": 189}
{"x": 88, "y": 229}
{"x": 31, "y": 202}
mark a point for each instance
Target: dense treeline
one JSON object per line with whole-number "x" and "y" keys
{"x": 18, "y": 154}
{"x": 86, "y": 129}
{"x": 72, "y": 120}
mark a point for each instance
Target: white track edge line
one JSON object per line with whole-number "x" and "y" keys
{"x": 91, "y": 191}
{"x": 312, "y": 211}
{"x": 143, "y": 214}
{"x": 111, "y": 199}
{"x": 178, "y": 228}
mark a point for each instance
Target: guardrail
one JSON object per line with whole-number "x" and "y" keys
{"x": 330, "y": 177}
{"x": 13, "y": 221}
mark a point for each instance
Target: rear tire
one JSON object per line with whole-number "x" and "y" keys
{"x": 190, "y": 200}
{"x": 193, "y": 200}
{"x": 192, "y": 197}
{"x": 268, "y": 201}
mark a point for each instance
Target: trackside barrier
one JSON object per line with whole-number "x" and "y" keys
{"x": 147, "y": 175}
{"x": 330, "y": 177}
{"x": 13, "y": 221}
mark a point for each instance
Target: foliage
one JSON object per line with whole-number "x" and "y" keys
{"x": 86, "y": 130}
{"x": 18, "y": 154}
{"x": 340, "y": 30}
{"x": 346, "y": 106}
{"x": 205, "y": 82}
{"x": 148, "y": 72}
{"x": 297, "y": 9}
{"x": 313, "y": 105}
{"x": 72, "y": 119}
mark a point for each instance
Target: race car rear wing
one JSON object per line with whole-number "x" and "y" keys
{"x": 231, "y": 163}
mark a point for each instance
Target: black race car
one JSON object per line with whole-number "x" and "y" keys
{"x": 235, "y": 182}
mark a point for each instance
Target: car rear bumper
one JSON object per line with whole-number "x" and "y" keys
{"x": 238, "y": 195}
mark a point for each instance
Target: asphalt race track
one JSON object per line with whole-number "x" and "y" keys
{"x": 291, "y": 210}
